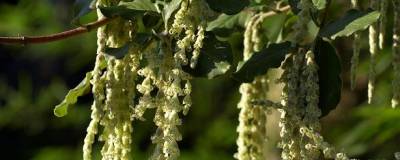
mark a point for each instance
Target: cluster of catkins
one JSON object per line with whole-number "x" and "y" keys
{"x": 377, "y": 32}
{"x": 299, "y": 122}
{"x": 145, "y": 78}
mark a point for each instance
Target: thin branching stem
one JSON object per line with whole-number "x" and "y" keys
{"x": 57, "y": 36}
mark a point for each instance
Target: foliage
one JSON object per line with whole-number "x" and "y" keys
{"x": 217, "y": 54}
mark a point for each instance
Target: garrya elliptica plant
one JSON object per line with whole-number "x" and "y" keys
{"x": 149, "y": 50}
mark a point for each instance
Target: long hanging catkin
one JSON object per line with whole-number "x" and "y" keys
{"x": 252, "y": 119}
{"x": 396, "y": 54}
{"x": 356, "y": 52}
{"x": 113, "y": 90}
{"x": 373, "y": 44}
{"x": 384, "y": 4}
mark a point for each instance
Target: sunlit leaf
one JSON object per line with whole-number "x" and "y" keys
{"x": 71, "y": 98}
{"x": 352, "y": 21}
{"x": 225, "y": 24}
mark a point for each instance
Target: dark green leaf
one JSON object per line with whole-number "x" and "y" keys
{"x": 261, "y": 62}
{"x": 215, "y": 58}
{"x": 118, "y": 53}
{"x": 81, "y": 8}
{"x": 330, "y": 83}
{"x": 229, "y": 7}
{"x": 72, "y": 96}
{"x": 170, "y": 8}
{"x": 352, "y": 21}
{"x": 129, "y": 10}
{"x": 319, "y": 4}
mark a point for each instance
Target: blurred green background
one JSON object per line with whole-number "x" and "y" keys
{"x": 34, "y": 78}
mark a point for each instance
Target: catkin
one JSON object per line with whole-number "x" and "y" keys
{"x": 293, "y": 94}
{"x": 356, "y": 52}
{"x": 252, "y": 119}
{"x": 373, "y": 44}
{"x": 383, "y": 21}
{"x": 396, "y": 54}
{"x": 290, "y": 113}
{"x": 98, "y": 91}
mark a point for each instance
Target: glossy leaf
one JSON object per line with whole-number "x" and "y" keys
{"x": 352, "y": 21}
{"x": 229, "y": 7}
{"x": 129, "y": 10}
{"x": 71, "y": 98}
{"x": 330, "y": 82}
{"x": 261, "y": 62}
{"x": 215, "y": 58}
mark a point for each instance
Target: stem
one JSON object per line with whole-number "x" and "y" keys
{"x": 57, "y": 36}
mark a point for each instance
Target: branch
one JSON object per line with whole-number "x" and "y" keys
{"x": 54, "y": 37}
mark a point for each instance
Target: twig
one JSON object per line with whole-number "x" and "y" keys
{"x": 54, "y": 37}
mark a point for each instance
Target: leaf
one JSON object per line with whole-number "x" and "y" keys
{"x": 70, "y": 99}
{"x": 229, "y": 7}
{"x": 228, "y": 21}
{"x": 170, "y": 8}
{"x": 261, "y": 62}
{"x": 319, "y": 4}
{"x": 129, "y": 10}
{"x": 354, "y": 20}
{"x": 225, "y": 24}
{"x": 223, "y": 21}
{"x": 214, "y": 59}
{"x": 118, "y": 53}
{"x": 81, "y": 8}
{"x": 273, "y": 26}
{"x": 330, "y": 82}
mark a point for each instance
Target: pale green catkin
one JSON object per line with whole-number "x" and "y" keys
{"x": 98, "y": 86}
{"x": 356, "y": 52}
{"x": 373, "y": 44}
{"x": 289, "y": 120}
{"x": 113, "y": 90}
{"x": 252, "y": 119}
{"x": 396, "y": 54}
{"x": 300, "y": 127}
{"x": 384, "y": 4}
{"x": 166, "y": 74}
{"x": 188, "y": 19}
{"x": 117, "y": 121}
{"x": 292, "y": 99}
